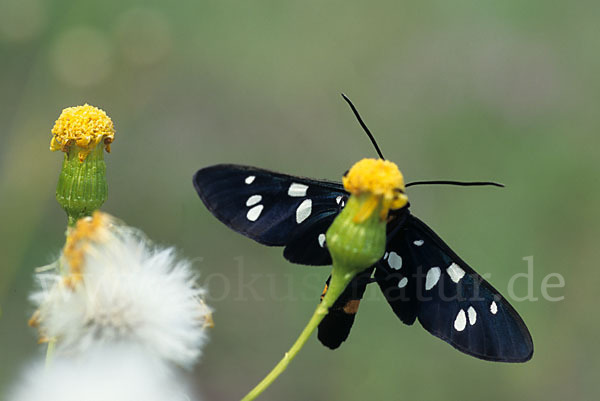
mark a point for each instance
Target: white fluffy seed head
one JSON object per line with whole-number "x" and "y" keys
{"x": 125, "y": 290}
{"x": 117, "y": 373}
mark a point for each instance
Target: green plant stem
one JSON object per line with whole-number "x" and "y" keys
{"x": 50, "y": 353}
{"x": 339, "y": 281}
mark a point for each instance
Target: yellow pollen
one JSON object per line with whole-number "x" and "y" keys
{"x": 34, "y": 320}
{"x": 88, "y": 229}
{"x": 209, "y": 323}
{"x": 43, "y": 339}
{"x": 382, "y": 180}
{"x": 84, "y": 126}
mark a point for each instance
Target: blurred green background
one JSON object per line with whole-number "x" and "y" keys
{"x": 461, "y": 89}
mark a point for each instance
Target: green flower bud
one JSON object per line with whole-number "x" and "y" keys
{"x": 82, "y": 133}
{"x": 356, "y": 238}
{"x": 356, "y": 246}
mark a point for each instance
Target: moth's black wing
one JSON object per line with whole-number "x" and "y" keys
{"x": 273, "y": 209}
{"x": 395, "y": 276}
{"x": 335, "y": 326}
{"x": 451, "y": 300}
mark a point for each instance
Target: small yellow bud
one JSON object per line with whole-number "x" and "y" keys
{"x": 84, "y": 126}
{"x": 382, "y": 180}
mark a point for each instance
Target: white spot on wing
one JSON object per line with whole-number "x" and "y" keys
{"x": 395, "y": 261}
{"x": 418, "y": 242}
{"x": 385, "y": 255}
{"x": 297, "y": 190}
{"x": 250, "y": 179}
{"x": 403, "y": 282}
{"x": 494, "y": 308}
{"x": 303, "y": 210}
{"x": 321, "y": 240}
{"x": 455, "y": 272}
{"x": 472, "y": 313}
{"x": 253, "y": 200}
{"x": 433, "y": 276}
{"x": 461, "y": 321}
{"x": 338, "y": 199}
{"x": 254, "y": 213}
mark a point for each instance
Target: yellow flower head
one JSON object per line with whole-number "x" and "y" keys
{"x": 379, "y": 178}
{"x": 84, "y": 126}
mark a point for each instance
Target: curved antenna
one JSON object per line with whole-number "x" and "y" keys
{"x": 363, "y": 125}
{"x": 457, "y": 183}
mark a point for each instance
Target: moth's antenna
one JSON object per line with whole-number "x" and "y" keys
{"x": 458, "y": 183}
{"x": 363, "y": 125}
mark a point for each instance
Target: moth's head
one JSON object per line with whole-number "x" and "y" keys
{"x": 379, "y": 182}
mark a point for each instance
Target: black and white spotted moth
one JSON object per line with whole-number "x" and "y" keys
{"x": 419, "y": 275}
